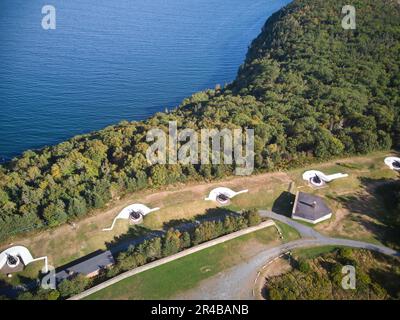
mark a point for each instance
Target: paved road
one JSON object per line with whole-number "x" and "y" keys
{"x": 305, "y": 232}
{"x": 237, "y": 283}
{"x": 309, "y": 233}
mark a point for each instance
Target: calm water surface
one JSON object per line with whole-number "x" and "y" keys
{"x": 109, "y": 61}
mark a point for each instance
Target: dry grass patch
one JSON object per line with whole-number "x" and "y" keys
{"x": 65, "y": 243}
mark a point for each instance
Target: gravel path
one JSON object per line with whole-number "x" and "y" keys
{"x": 237, "y": 282}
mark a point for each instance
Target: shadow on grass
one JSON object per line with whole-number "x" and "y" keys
{"x": 137, "y": 234}
{"x": 284, "y": 204}
{"x": 351, "y": 165}
{"x": 212, "y": 214}
{"x": 388, "y": 278}
{"x": 376, "y": 209}
{"x": 8, "y": 290}
{"x": 12, "y": 292}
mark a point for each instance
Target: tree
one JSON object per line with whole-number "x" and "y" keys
{"x": 205, "y": 232}
{"x": 304, "y": 266}
{"x": 186, "y": 241}
{"x": 77, "y": 207}
{"x": 171, "y": 243}
{"x": 153, "y": 248}
{"x": 44, "y": 294}
{"x": 309, "y": 93}
{"x": 70, "y": 287}
{"x": 159, "y": 175}
{"x": 26, "y": 295}
{"x": 327, "y": 145}
{"x": 54, "y": 214}
{"x": 127, "y": 261}
{"x": 253, "y": 217}
{"x": 347, "y": 255}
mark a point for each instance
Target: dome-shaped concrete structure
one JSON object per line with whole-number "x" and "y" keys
{"x": 319, "y": 179}
{"x": 393, "y": 163}
{"x": 222, "y": 195}
{"x": 134, "y": 213}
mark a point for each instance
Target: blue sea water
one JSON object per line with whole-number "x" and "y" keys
{"x": 109, "y": 61}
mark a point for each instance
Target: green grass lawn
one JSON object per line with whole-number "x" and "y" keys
{"x": 289, "y": 233}
{"x": 310, "y": 253}
{"x": 265, "y": 198}
{"x": 167, "y": 280}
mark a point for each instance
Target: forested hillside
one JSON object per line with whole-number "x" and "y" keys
{"x": 320, "y": 278}
{"x": 309, "y": 88}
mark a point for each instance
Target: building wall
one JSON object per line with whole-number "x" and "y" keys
{"x": 328, "y": 216}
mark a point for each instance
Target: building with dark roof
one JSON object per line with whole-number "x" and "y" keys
{"x": 310, "y": 208}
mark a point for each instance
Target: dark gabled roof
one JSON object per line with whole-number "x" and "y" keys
{"x": 88, "y": 266}
{"x": 310, "y": 207}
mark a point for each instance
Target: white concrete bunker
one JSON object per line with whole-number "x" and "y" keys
{"x": 393, "y": 163}
{"x": 319, "y": 179}
{"x": 223, "y": 195}
{"x": 134, "y": 212}
{"x": 14, "y": 259}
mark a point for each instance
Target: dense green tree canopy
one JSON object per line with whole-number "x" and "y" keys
{"x": 310, "y": 89}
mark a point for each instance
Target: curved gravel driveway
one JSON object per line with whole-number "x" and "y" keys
{"x": 238, "y": 282}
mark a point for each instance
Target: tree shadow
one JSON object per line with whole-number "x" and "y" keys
{"x": 12, "y": 292}
{"x": 388, "y": 279}
{"x": 138, "y": 234}
{"x": 328, "y": 266}
{"x": 284, "y": 204}
{"x": 135, "y": 235}
{"x": 216, "y": 214}
{"x": 176, "y": 223}
{"x": 373, "y": 210}
{"x": 8, "y": 290}
{"x": 212, "y": 214}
